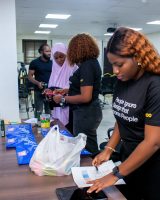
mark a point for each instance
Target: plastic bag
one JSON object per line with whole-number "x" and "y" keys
{"x": 44, "y": 132}
{"x": 56, "y": 154}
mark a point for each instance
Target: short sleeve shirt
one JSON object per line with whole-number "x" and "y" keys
{"x": 88, "y": 74}
{"x": 136, "y": 103}
{"x": 42, "y": 69}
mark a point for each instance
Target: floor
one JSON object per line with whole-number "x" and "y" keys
{"x": 107, "y": 121}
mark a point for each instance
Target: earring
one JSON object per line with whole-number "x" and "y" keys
{"x": 140, "y": 65}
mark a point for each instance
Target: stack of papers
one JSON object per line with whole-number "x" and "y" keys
{"x": 82, "y": 175}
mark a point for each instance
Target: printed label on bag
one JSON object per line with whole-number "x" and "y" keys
{"x": 62, "y": 138}
{"x": 11, "y": 140}
{"x": 10, "y": 129}
{"x": 22, "y": 153}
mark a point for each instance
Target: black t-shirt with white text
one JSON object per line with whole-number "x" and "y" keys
{"x": 136, "y": 103}
{"x": 88, "y": 74}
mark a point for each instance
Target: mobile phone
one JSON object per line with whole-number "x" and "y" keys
{"x": 81, "y": 194}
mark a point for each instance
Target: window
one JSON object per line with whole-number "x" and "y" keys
{"x": 30, "y": 49}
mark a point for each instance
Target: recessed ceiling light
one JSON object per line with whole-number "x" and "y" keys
{"x": 136, "y": 29}
{"x": 109, "y": 34}
{"x": 57, "y": 16}
{"x": 42, "y": 32}
{"x": 154, "y": 22}
{"x": 48, "y": 25}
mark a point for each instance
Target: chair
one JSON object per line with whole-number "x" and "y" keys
{"x": 115, "y": 155}
{"x": 107, "y": 86}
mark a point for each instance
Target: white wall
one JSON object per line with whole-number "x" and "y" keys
{"x": 9, "y": 105}
{"x": 155, "y": 39}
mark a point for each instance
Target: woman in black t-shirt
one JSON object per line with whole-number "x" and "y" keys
{"x": 84, "y": 88}
{"x": 136, "y": 106}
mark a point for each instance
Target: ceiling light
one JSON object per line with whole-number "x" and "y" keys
{"x": 136, "y": 29}
{"x": 154, "y": 22}
{"x": 57, "y": 16}
{"x": 109, "y": 34}
{"x": 42, "y": 32}
{"x": 48, "y": 25}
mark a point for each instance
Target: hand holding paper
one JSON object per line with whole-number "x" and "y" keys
{"x": 83, "y": 175}
{"x": 99, "y": 184}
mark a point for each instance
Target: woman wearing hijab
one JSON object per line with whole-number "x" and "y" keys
{"x": 61, "y": 72}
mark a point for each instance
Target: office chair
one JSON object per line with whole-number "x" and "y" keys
{"x": 116, "y": 156}
{"x": 107, "y": 86}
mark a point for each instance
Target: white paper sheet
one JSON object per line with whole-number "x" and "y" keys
{"x": 83, "y": 174}
{"x": 31, "y": 121}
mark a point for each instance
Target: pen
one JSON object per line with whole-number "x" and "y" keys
{"x": 96, "y": 168}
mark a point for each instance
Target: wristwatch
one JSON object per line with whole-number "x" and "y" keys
{"x": 62, "y": 103}
{"x": 116, "y": 173}
{"x": 63, "y": 100}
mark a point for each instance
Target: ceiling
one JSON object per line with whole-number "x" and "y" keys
{"x": 92, "y": 16}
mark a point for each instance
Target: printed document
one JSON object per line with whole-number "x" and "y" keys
{"x": 82, "y": 175}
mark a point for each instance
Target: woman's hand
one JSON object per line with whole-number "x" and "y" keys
{"x": 46, "y": 91}
{"x": 48, "y": 94}
{"x": 101, "y": 157}
{"x": 65, "y": 91}
{"x": 57, "y": 98}
{"x": 102, "y": 183}
{"x": 59, "y": 91}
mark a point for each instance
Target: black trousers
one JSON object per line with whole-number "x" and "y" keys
{"x": 143, "y": 183}
{"x": 86, "y": 119}
{"x": 69, "y": 126}
{"x": 40, "y": 103}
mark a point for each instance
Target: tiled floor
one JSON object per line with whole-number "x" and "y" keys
{"x": 107, "y": 121}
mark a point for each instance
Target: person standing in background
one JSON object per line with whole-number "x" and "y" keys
{"x": 84, "y": 88}
{"x": 61, "y": 72}
{"x": 39, "y": 74}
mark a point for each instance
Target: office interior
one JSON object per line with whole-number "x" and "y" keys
{"x": 21, "y": 18}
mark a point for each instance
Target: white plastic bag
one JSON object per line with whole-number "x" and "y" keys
{"x": 56, "y": 154}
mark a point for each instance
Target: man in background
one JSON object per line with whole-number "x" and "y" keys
{"x": 39, "y": 74}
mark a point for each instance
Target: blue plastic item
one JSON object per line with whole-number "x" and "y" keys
{"x": 24, "y": 151}
{"x": 44, "y": 131}
{"x": 21, "y": 137}
{"x": 16, "y": 132}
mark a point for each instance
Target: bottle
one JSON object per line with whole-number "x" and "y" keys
{"x": 2, "y": 128}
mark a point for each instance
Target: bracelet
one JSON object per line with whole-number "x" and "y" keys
{"x": 110, "y": 148}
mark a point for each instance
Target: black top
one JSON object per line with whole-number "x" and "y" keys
{"x": 136, "y": 103}
{"x": 42, "y": 69}
{"x": 88, "y": 74}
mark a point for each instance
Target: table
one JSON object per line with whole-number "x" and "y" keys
{"x": 19, "y": 183}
